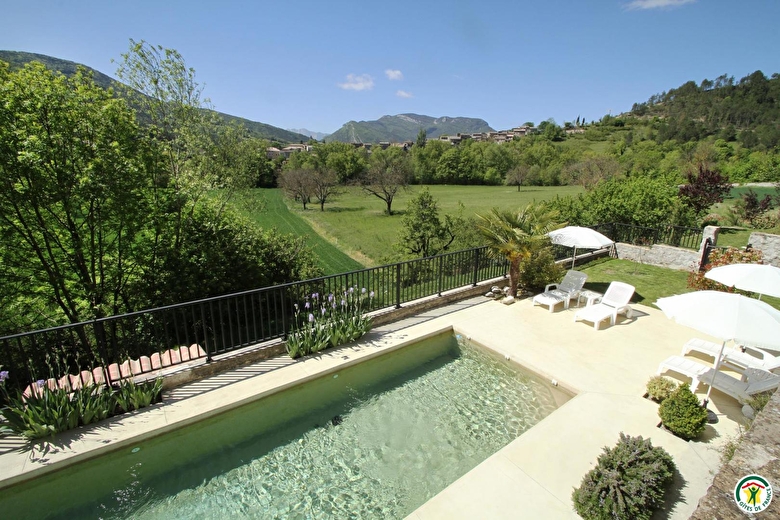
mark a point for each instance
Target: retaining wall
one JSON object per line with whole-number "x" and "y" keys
{"x": 769, "y": 245}
{"x": 660, "y": 255}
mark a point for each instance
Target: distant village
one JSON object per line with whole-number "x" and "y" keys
{"x": 499, "y": 137}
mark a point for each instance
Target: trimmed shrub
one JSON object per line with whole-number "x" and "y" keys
{"x": 682, "y": 414}
{"x": 659, "y": 388}
{"x": 628, "y": 482}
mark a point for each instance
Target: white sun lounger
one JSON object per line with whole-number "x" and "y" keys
{"x": 614, "y": 302}
{"x": 567, "y": 290}
{"x": 755, "y": 380}
{"x": 752, "y": 357}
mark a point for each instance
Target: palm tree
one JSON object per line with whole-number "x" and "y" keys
{"x": 517, "y": 236}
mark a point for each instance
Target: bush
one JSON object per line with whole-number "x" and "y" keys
{"x": 682, "y": 414}
{"x": 538, "y": 269}
{"x": 627, "y": 483}
{"x": 720, "y": 257}
{"x": 659, "y": 388}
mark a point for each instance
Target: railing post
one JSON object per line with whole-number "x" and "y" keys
{"x": 476, "y": 266}
{"x": 441, "y": 272}
{"x": 398, "y": 285}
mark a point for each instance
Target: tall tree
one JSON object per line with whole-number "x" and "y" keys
{"x": 73, "y": 204}
{"x": 517, "y": 236}
{"x": 188, "y": 136}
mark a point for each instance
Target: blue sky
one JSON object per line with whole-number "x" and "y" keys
{"x": 318, "y": 64}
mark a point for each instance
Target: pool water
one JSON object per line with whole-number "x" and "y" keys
{"x": 375, "y": 440}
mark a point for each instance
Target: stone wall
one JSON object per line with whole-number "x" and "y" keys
{"x": 769, "y": 245}
{"x": 758, "y": 454}
{"x": 660, "y": 255}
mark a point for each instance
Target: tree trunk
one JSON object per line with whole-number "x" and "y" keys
{"x": 514, "y": 275}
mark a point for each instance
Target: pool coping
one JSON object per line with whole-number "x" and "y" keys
{"x": 513, "y": 476}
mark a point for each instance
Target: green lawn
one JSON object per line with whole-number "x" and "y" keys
{"x": 651, "y": 282}
{"x": 267, "y": 209}
{"x": 356, "y": 222}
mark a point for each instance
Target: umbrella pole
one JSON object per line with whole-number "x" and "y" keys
{"x": 714, "y": 371}
{"x": 574, "y": 257}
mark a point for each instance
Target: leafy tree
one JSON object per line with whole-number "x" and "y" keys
{"x": 589, "y": 171}
{"x": 73, "y": 206}
{"x": 422, "y": 138}
{"x": 188, "y": 137}
{"x": 551, "y": 131}
{"x": 298, "y": 185}
{"x": 343, "y": 159}
{"x": 636, "y": 200}
{"x": 424, "y": 233}
{"x": 222, "y": 253}
{"x": 703, "y": 190}
{"x": 389, "y": 172}
{"x": 749, "y": 207}
{"x": 517, "y": 236}
{"x": 325, "y": 187}
{"x": 518, "y": 176}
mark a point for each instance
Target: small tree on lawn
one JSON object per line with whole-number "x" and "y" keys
{"x": 298, "y": 185}
{"x": 517, "y": 236}
{"x": 424, "y": 233}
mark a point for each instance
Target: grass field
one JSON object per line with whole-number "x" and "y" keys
{"x": 267, "y": 209}
{"x": 356, "y": 222}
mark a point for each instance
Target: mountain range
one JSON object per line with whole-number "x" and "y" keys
{"x": 17, "y": 60}
{"x": 398, "y": 128}
{"x": 405, "y": 127}
{"x": 314, "y": 135}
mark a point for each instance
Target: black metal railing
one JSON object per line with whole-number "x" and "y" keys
{"x": 676, "y": 236}
{"x": 111, "y": 348}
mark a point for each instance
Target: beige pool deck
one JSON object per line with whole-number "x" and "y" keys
{"x": 534, "y": 475}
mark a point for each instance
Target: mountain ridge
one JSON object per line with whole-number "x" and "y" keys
{"x": 17, "y": 59}
{"x": 405, "y": 127}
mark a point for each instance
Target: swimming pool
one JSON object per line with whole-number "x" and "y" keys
{"x": 375, "y": 440}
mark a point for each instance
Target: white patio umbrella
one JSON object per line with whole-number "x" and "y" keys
{"x": 582, "y": 237}
{"x": 727, "y": 316}
{"x": 757, "y": 278}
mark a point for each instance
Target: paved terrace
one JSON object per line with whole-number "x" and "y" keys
{"x": 534, "y": 475}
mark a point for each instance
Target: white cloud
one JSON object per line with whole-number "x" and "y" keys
{"x": 653, "y": 4}
{"x": 403, "y": 94}
{"x": 394, "y": 75}
{"x": 358, "y": 82}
